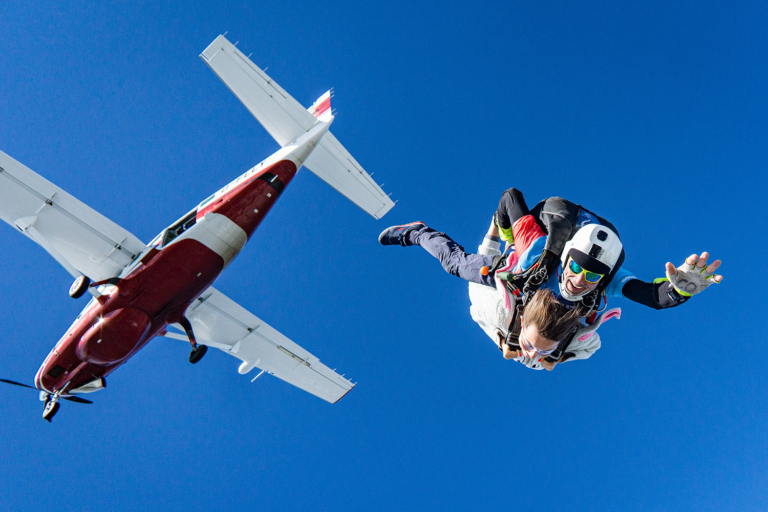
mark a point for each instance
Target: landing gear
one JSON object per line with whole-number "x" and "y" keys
{"x": 51, "y": 408}
{"x": 79, "y": 287}
{"x": 198, "y": 351}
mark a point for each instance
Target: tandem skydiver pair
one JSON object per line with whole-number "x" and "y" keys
{"x": 543, "y": 299}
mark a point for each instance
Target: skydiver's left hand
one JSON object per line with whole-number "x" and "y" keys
{"x": 694, "y": 275}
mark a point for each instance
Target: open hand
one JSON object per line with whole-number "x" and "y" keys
{"x": 694, "y": 275}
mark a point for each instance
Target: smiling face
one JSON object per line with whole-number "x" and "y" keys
{"x": 577, "y": 284}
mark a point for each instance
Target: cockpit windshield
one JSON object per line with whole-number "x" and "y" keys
{"x": 177, "y": 228}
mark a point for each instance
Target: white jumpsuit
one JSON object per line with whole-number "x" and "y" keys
{"x": 488, "y": 311}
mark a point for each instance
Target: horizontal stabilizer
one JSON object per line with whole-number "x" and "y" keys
{"x": 332, "y": 163}
{"x": 286, "y": 120}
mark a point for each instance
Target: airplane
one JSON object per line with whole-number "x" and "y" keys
{"x": 141, "y": 290}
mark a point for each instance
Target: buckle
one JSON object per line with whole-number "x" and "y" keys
{"x": 554, "y": 356}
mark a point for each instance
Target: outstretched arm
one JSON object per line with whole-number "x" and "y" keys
{"x": 680, "y": 284}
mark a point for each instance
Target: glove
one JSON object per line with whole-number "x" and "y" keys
{"x": 690, "y": 279}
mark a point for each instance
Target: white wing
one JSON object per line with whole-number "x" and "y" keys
{"x": 220, "y": 322}
{"x": 286, "y": 120}
{"x": 81, "y": 239}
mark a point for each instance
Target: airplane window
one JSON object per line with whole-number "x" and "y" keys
{"x": 179, "y": 227}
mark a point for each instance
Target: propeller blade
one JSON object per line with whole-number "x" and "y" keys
{"x": 17, "y": 383}
{"x": 77, "y": 399}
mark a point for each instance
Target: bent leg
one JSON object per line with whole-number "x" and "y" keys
{"x": 452, "y": 256}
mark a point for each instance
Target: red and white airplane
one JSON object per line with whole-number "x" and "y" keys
{"x": 141, "y": 290}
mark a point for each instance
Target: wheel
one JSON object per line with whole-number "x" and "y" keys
{"x": 197, "y": 353}
{"x": 50, "y": 410}
{"x": 79, "y": 287}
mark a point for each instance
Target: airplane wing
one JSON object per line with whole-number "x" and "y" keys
{"x": 81, "y": 239}
{"x": 286, "y": 120}
{"x": 220, "y": 322}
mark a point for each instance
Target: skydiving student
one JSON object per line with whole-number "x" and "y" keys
{"x": 579, "y": 262}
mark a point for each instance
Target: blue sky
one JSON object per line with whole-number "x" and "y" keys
{"x": 651, "y": 114}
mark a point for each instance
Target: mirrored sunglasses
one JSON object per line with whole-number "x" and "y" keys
{"x": 590, "y": 277}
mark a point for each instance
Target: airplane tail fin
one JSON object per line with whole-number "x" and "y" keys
{"x": 321, "y": 108}
{"x": 286, "y": 120}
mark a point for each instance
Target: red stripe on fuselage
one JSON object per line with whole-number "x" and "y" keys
{"x": 248, "y": 203}
{"x": 165, "y": 285}
{"x": 162, "y": 289}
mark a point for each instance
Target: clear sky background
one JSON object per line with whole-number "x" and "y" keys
{"x": 652, "y": 114}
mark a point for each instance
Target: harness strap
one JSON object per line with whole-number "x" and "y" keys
{"x": 561, "y": 348}
{"x": 514, "y": 328}
{"x": 527, "y": 282}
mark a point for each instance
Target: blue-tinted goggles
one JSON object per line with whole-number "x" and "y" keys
{"x": 590, "y": 277}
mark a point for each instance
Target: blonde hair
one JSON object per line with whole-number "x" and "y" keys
{"x": 553, "y": 320}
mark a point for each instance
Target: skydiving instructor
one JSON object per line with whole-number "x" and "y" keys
{"x": 559, "y": 246}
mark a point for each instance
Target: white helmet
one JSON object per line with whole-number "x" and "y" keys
{"x": 594, "y": 247}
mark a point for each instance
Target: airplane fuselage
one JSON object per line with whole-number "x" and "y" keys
{"x": 174, "y": 269}
{"x": 141, "y": 291}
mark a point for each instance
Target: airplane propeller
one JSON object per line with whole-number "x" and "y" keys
{"x": 75, "y": 399}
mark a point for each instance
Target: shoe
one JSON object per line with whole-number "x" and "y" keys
{"x": 396, "y": 235}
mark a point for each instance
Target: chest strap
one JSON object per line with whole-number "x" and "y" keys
{"x": 561, "y": 349}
